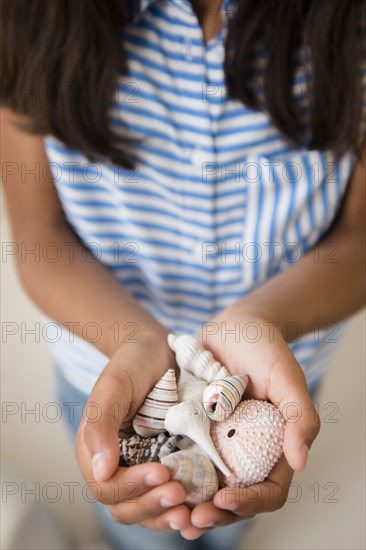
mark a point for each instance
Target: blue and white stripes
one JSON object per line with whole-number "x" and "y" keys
{"x": 217, "y": 203}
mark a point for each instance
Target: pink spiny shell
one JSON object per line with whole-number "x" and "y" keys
{"x": 249, "y": 442}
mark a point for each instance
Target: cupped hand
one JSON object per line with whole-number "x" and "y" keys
{"x": 141, "y": 494}
{"x": 247, "y": 343}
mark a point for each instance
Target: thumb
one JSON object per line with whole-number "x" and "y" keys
{"x": 302, "y": 420}
{"x": 106, "y": 410}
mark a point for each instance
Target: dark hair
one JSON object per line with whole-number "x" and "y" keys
{"x": 52, "y": 52}
{"x": 58, "y": 65}
{"x": 331, "y": 33}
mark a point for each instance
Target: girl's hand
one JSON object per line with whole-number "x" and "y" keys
{"x": 140, "y": 494}
{"x": 256, "y": 347}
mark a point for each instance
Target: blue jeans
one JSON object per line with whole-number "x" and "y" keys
{"x": 134, "y": 537}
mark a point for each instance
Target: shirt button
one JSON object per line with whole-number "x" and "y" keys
{"x": 199, "y": 156}
{"x": 188, "y": 49}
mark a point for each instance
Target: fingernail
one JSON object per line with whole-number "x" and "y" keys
{"x": 212, "y": 524}
{"x": 174, "y": 526}
{"x": 153, "y": 480}
{"x": 99, "y": 466}
{"x": 165, "y": 503}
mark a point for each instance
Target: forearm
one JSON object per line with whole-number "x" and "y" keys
{"x": 321, "y": 288}
{"x": 78, "y": 291}
{"x": 69, "y": 285}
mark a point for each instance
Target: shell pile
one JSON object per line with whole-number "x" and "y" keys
{"x": 205, "y": 416}
{"x": 250, "y": 442}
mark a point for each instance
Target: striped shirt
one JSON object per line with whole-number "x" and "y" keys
{"x": 217, "y": 203}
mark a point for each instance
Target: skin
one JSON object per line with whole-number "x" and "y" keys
{"x": 209, "y": 17}
{"x": 66, "y": 291}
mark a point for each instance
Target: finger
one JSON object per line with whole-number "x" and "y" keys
{"x": 288, "y": 389}
{"x": 107, "y": 407}
{"x": 176, "y": 519}
{"x": 126, "y": 482}
{"x": 267, "y": 496}
{"x": 192, "y": 533}
{"x": 149, "y": 505}
{"x": 207, "y": 515}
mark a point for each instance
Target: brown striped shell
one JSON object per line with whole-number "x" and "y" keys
{"x": 149, "y": 420}
{"x": 222, "y": 396}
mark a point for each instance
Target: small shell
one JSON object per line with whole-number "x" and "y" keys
{"x": 221, "y": 397}
{"x": 190, "y": 419}
{"x": 250, "y": 442}
{"x": 138, "y": 450}
{"x": 195, "y": 359}
{"x": 149, "y": 420}
{"x": 190, "y": 387}
{"x": 187, "y": 444}
{"x": 195, "y": 472}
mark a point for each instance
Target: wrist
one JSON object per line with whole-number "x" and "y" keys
{"x": 246, "y": 310}
{"x": 252, "y": 312}
{"x": 135, "y": 331}
{"x": 148, "y": 340}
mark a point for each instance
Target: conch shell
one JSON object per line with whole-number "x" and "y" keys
{"x": 190, "y": 419}
{"x": 195, "y": 472}
{"x": 221, "y": 397}
{"x": 191, "y": 356}
{"x": 149, "y": 420}
{"x": 190, "y": 387}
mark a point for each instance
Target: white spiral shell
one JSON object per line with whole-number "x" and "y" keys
{"x": 190, "y": 419}
{"x": 191, "y": 356}
{"x": 221, "y": 397}
{"x": 149, "y": 420}
{"x": 190, "y": 387}
{"x": 195, "y": 472}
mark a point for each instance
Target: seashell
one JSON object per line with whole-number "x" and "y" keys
{"x": 190, "y": 419}
{"x": 195, "y": 472}
{"x": 187, "y": 444}
{"x": 149, "y": 420}
{"x": 138, "y": 450}
{"x": 250, "y": 442}
{"x": 191, "y": 356}
{"x": 190, "y": 387}
{"x": 221, "y": 397}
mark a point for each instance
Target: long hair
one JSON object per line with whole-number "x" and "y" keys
{"x": 332, "y": 33}
{"x": 59, "y": 61}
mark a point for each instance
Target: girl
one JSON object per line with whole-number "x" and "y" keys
{"x": 198, "y": 166}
